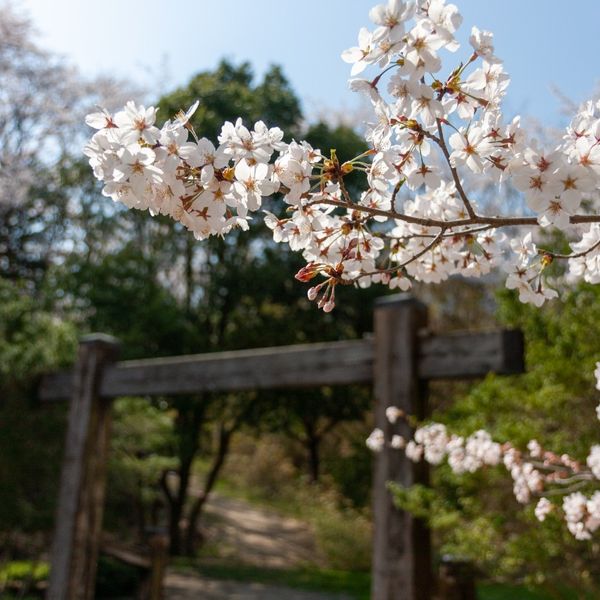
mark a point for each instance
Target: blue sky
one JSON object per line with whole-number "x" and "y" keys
{"x": 543, "y": 42}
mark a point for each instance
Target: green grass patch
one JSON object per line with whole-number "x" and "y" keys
{"x": 501, "y": 591}
{"x": 353, "y": 584}
{"x": 357, "y": 585}
{"x": 20, "y": 579}
{"x": 23, "y": 570}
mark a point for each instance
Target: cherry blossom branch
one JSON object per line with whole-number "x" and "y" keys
{"x": 536, "y": 473}
{"x": 435, "y": 242}
{"x": 488, "y": 221}
{"x": 459, "y": 188}
{"x": 155, "y": 169}
{"x": 573, "y": 255}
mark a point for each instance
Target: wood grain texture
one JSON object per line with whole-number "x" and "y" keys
{"x": 470, "y": 354}
{"x": 402, "y": 567}
{"x": 460, "y": 355}
{"x": 76, "y": 541}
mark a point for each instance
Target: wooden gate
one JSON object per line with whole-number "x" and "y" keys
{"x": 398, "y": 360}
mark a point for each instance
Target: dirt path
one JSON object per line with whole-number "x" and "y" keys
{"x": 259, "y": 537}
{"x": 242, "y": 533}
{"x": 188, "y": 587}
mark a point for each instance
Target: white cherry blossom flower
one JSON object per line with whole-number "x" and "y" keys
{"x": 543, "y": 509}
{"x": 483, "y": 44}
{"x": 137, "y": 169}
{"x": 393, "y": 413}
{"x": 376, "y": 440}
{"x": 421, "y": 50}
{"x": 360, "y": 56}
{"x": 470, "y": 148}
{"x": 446, "y": 19}
{"x": 137, "y": 122}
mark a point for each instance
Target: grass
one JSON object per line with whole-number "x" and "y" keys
{"x": 25, "y": 575}
{"x": 24, "y": 570}
{"x": 354, "y": 584}
{"x": 497, "y": 591}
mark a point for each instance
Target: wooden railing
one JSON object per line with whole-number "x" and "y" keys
{"x": 398, "y": 360}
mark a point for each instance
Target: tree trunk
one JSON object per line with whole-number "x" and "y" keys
{"x": 196, "y": 510}
{"x": 312, "y": 442}
{"x": 188, "y": 424}
{"x": 314, "y": 458}
{"x": 176, "y": 508}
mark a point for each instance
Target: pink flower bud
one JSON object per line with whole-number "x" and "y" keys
{"x": 308, "y": 272}
{"x": 328, "y": 306}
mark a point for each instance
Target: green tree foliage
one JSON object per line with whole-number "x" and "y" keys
{"x": 42, "y": 105}
{"x": 141, "y": 450}
{"x": 32, "y": 341}
{"x": 229, "y": 92}
{"x": 476, "y": 516}
{"x": 121, "y": 294}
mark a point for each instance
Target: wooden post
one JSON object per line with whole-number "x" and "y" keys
{"x": 74, "y": 554}
{"x": 159, "y": 552}
{"x": 401, "y": 546}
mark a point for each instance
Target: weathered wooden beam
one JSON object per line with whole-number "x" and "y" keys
{"x": 471, "y": 354}
{"x": 331, "y": 363}
{"x": 401, "y": 566}
{"x": 289, "y": 366}
{"x": 78, "y": 523}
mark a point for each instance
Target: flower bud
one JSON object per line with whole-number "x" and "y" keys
{"x": 307, "y": 273}
{"x": 328, "y": 306}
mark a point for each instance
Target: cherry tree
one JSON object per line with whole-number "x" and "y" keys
{"x": 434, "y": 129}
{"x": 42, "y": 103}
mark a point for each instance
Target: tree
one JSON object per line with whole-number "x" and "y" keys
{"x": 42, "y": 104}
{"x": 32, "y": 341}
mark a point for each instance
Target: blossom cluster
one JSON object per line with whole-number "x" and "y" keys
{"x": 208, "y": 189}
{"x": 536, "y": 473}
{"x": 459, "y": 116}
{"x": 414, "y": 220}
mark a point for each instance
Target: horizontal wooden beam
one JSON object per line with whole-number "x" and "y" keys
{"x": 471, "y": 354}
{"x": 332, "y": 363}
{"x": 461, "y": 355}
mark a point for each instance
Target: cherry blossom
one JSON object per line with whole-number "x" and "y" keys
{"x": 428, "y": 134}
{"x": 434, "y": 127}
{"x": 536, "y": 473}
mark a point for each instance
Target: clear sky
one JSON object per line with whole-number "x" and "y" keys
{"x": 543, "y": 42}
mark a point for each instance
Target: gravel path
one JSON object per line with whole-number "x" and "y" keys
{"x": 245, "y": 534}
{"x": 258, "y": 537}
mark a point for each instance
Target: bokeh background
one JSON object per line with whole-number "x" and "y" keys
{"x": 282, "y": 479}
